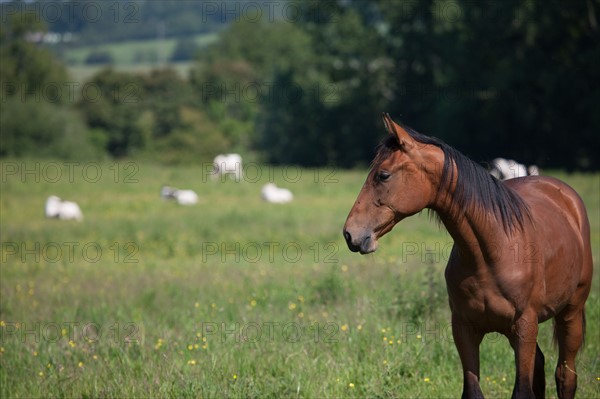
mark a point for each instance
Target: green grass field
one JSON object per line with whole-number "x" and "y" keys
{"x": 233, "y": 297}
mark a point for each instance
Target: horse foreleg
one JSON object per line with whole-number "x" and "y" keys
{"x": 569, "y": 334}
{"x": 467, "y": 341}
{"x": 539, "y": 377}
{"x": 523, "y": 341}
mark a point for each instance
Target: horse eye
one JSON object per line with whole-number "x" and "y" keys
{"x": 383, "y": 175}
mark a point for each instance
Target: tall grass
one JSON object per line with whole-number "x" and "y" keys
{"x": 233, "y": 296}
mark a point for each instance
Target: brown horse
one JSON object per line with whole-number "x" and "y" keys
{"x": 521, "y": 254}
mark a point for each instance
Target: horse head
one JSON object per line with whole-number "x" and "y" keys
{"x": 402, "y": 182}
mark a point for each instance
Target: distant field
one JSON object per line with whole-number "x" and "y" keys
{"x": 233, "y": 297}
{"x": 131, "y": 56}
{"x": 134, "y": 51}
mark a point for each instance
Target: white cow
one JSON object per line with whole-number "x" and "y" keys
{"x": 533, "y": 170}
{"x": 505, "y": 169}
{"x": 227, "y": 164}
{"x": 183, "y": 197}
{"x": 63, "y": 210}
{"x": 273, "y": 194}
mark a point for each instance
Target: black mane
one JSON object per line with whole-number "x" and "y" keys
{"x": 474, "y": 185}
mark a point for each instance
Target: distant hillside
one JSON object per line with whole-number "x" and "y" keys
{"x": 134, "y": 51}
{"x": 93, "y": 22}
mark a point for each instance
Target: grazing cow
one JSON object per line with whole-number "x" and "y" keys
{"x": 227, "y": 164}
{"x": 63, "y": 210}
{"x": 183, "y": 197}
{"x": 504, "y": 169}
{"x": 275, "y": 195}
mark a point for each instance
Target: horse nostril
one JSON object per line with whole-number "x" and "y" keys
{"x": 347, "y": 236}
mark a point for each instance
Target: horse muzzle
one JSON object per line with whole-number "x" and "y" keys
{"x": 365, "y": 243}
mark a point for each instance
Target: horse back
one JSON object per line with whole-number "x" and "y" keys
{"x": 547, "y": 196}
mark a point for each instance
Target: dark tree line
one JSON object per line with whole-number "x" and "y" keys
{"x": 493, "y": 78}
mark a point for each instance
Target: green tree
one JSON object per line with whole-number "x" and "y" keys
{"x": 36, "y": 115}
{"x": 42, "y": 129}
{"x": 113, "y": 109}
{"x": 164, "y": 92}
{"x": 197, "y": 139}
{"x": 343, "y": 82}
{"x": 185, "y": 49}
{"x": 319, "y": 83}
{"x": 237, "y": 75}
{"x": 27, "y": 70}
{"x": 506, "y": 78}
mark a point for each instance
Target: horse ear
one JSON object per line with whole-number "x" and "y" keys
{"x": 405, "y": 141}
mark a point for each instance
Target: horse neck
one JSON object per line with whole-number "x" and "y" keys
{"x": 476, "y": 233}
